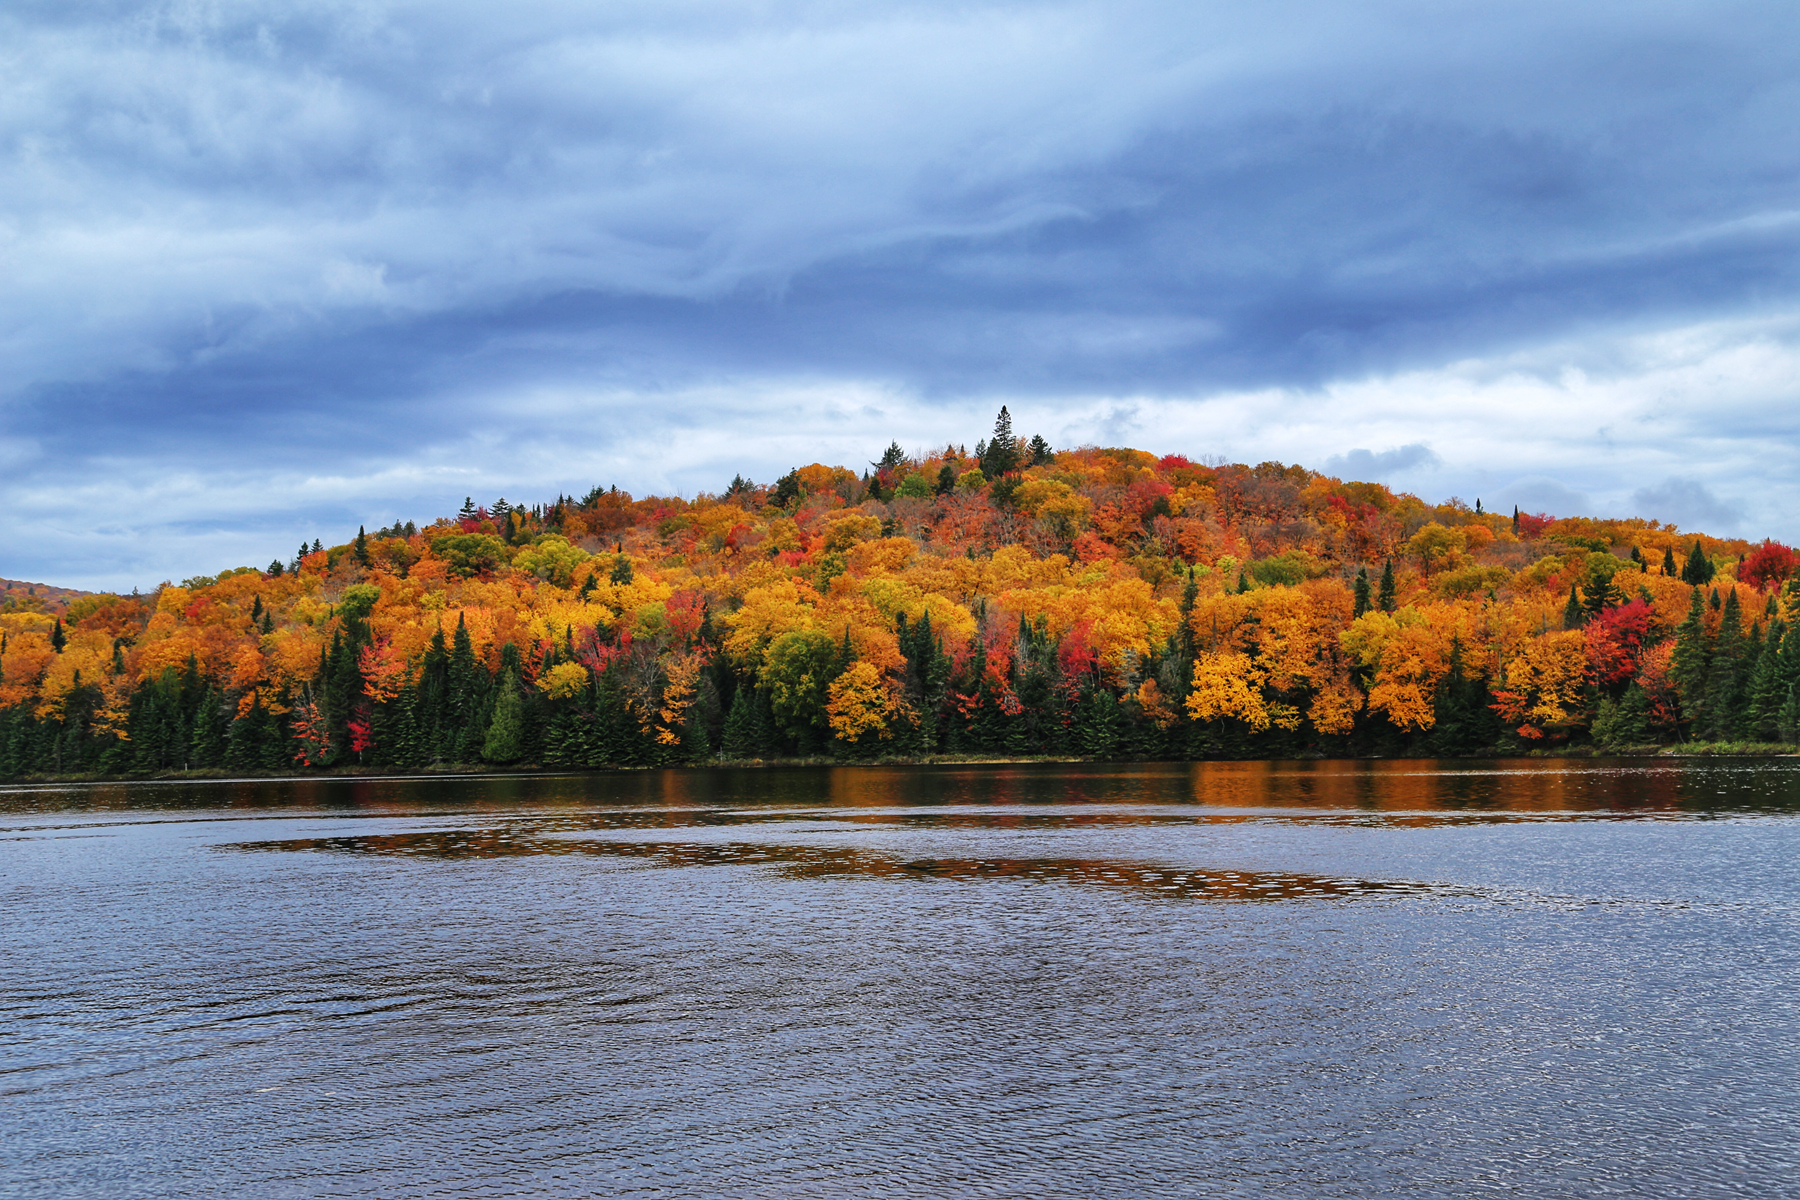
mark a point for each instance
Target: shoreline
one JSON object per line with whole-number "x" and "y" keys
{"x": 479, "y": 770}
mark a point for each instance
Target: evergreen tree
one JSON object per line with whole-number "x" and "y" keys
{"x": 1698, "y": 569}
{"x": 1515, "y": 520}
{"x": 1764, "y": 693}
{"x": 207, "y": 747}
{"x": 506, "y": 733}
{"x": 1692, "y": 659}
{"x": 1623, "y": 722}
{"x": 1360, "y": 592}
{"x": 463, "y": 729}
{"x": 57, "y": 639}
{"x": 787, "y": 490}
{"x": 1573, "y": 612}
{"x": 766, "y": 729}
{"x": 249, "y": 738}
{"x": 1098, "y": 722}
{"x": 1465, "y": 722}
{"x": 1000, "y": 456}
{"x": 1039, "y": 452}
{"x": 1388, "y": 598}
{"x": 1603, "y": 593}
{"x": 1668, "y": 562}
{"x": 739, "y": 737}
{"x": 1725, "y": 673}
{"x": 362, "y": 547}
{"x": 946, "y": 480}
{"x": 1787, "y": 685}
{"x": 621, "y": 572}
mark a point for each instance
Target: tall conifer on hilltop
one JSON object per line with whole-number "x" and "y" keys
{"x": 1000, "y": 456}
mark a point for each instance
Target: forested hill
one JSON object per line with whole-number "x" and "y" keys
{"x": 1012, "y": 601}
{"x": 17, "y": 595}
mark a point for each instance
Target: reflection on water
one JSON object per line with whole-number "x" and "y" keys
{"x": 1538, "y": 980}
{"x": 824, "y": 862}
{"x": 1518, "y": 787}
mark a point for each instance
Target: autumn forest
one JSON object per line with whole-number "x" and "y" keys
{"x": 1015, "y": 600}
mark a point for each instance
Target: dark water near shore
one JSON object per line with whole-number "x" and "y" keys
{"x": 1529, "y": 979}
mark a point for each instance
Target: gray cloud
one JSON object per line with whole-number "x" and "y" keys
{"x": 1368, "y": 465}
{"x": 349, "y": 239}
{"x": 1543, "y": 495}
{"x": 1689, "y": 503}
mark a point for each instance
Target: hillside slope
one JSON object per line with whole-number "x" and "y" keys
{"x": 1106, "y": 602}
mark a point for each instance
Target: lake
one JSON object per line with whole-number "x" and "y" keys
{"x": 1318, "y": 979}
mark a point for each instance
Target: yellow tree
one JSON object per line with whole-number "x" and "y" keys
{"x": 1436, "y": 546}
{"x": 1542, "y": 688}
{"x": 1228, "y": 684}
{"x": 860, "y": 705}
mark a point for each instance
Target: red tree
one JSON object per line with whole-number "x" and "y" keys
{"x": 1768, "y": 566}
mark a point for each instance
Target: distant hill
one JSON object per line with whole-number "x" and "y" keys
{"x": 17, "y": 595}
{"x": 1102, "y": 602}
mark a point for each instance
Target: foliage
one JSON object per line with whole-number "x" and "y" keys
{"x": 1020, "y": 600}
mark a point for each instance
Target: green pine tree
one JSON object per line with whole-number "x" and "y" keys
{"x": 1098, "y": 723}
{"x": 1764, "y": 693}
{"x": 210, "y": 741}
{"x": 739, "y": 737}
{"x": 1388, "y": 598}
{"x": 1603, "y": 592}
{"x": 506, "y": 732}
{"x": 1465, "y": 722}
{"x": 1000, "y": 455}
{"x": 1693, "y": 658}
{"x": 1698, "y": 569}
{"x": 1360, "y": 592}
{"x": 1725, "y": 673}
{"x": 1625, "y": 722}
{"x": 463, "y": 727}
{"x": 1573, "y": 612}
{"x": 1787, "y": 684}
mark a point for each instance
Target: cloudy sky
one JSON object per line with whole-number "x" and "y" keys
{"x": 272, "y": 270}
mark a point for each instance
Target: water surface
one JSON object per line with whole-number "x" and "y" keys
{"x": 1523, "y": 979}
